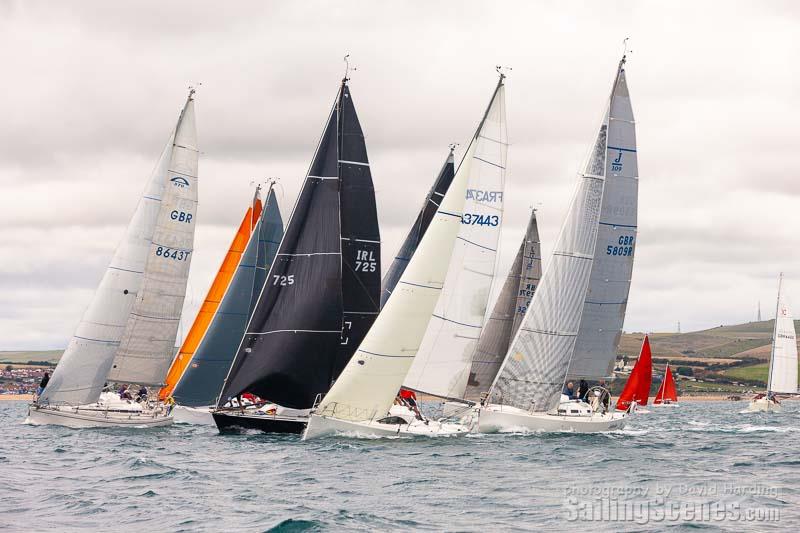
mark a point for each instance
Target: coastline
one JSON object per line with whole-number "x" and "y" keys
{"x": 16, "y": 397}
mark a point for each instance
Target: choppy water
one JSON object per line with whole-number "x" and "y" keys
{"x": 189, "y": 478}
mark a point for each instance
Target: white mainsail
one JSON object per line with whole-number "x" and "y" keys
{"x": 81, "y": 372}
{"x": 610, "y": 282}
{"x": 148, "y": 344}
{"x": 443, "y": 362}
{"x": 536, "y": 365}
{"x": 783, "y": 360}
{"x": 370, "y": 381}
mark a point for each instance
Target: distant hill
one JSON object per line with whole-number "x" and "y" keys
{"x": 21, "y": 358}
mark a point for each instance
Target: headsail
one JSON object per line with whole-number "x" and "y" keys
{"x": 82, "y": 371}
{"x": 419, "y": 227}
{"x": 368, "y": 385}
{"x": 536, "y": 365}
{"x": 783, "y": 361}
{"x": 667, "y": 392}
{"x": 205, "y": 357}
{"x": 443, "y": 362}
{"x": 637, "y": 388}
{"x": 510, "y": 308}
{"x": 610, "y": 282}
{"x": 294, "y": 347}
{"x": 148, "y": 344}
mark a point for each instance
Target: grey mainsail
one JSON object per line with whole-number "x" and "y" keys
{"x": 507, "y": 314}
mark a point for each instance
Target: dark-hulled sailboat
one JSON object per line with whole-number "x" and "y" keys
{"x": 322, "y": 292}
{"x": 429, "y": 207}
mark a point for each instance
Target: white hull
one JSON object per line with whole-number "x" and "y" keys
{"x": 763, "y": 405}
{"x": 86, "y": 417}
{"x": 675, "y": 404}
{"x": 496, "y": 418}
{"x": 200, "y": 416}
{"x": 323, "y": 426}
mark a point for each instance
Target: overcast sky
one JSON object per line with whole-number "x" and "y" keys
{"x": 91, "y": 89}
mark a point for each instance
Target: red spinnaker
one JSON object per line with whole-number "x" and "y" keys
{"x": 637, "y": 388}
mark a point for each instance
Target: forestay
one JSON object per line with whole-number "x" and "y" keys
{"x": 783, "y": 362}
{"x": 147, "y": 346}
{"x": 418, "y": 229}
{"x": 443, "y": 362}
{"x": 508, "y": 312}
{"x": 610, "y": 282}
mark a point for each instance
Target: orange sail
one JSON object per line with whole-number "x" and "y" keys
{"x": 637, "y": 389}
{"x": 667, "y": 393}
{"x": 213, "y": 298}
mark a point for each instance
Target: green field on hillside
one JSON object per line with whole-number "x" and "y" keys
{"x": 21, "y": 358}
{"x": 758, "y": 372}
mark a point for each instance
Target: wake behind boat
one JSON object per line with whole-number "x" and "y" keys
{"x": 128, "y": 332}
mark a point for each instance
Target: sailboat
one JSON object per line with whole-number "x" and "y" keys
{"x": 782, "y": 361}
{"x": 127, "y": 334}
{"x": 197, "y": 372}
{"x": 637, "y": 388}
{"x": 667, "y": 393}
{"x": 420, "y": 226}
{"x": 360, "y": 400}
{"x": 442, "y": 364}
{"x": 322, "y": 293}
{"x": 600, "y": 230}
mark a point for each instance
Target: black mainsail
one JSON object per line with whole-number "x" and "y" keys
{"x": 323, "y": 290}
{"x": 419, "y": 227}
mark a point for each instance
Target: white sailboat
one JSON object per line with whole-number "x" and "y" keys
{"x": 361, "y": 398}
{"x": 526, "y": 392}
{"x": 127, "y": 334}
{"x": 782, "y": 362}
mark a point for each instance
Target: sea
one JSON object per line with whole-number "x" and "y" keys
{"x": 696, "y": 466}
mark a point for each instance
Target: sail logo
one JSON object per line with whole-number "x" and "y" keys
{"x": 484, "y": 196}
{"x": 616, "y": 164}
{"x": 180, "y": 182}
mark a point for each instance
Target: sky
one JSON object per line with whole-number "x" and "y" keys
{"x": 92, "y": 89}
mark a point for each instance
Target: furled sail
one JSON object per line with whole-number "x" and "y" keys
{"x": 205, "y": 357}
{"x": 536, "y": 365}
{"x": 147, "y": 346}
{"x": 443, "y": 362}
{"x": 419, "y": 227}
{"x": 510, "y": 308}
{"x": 299, "y": 337}
{"x": 607, "y": 298}
{"x": 667, "y": 392}
{"x": 82, "y": 371}
{"x": 369, "y": 383}
{"x": 637, "y": 388}
{"x": 783, "y": 361}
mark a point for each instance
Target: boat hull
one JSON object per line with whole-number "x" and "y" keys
{"x": 325, "y": 426}
{"x": 230, "y": 422}
{"x": 763, "y": 405}
{"x": 494, "y": 419}
{"x": 200, "y": 416}
{"x": 75, "y": 417}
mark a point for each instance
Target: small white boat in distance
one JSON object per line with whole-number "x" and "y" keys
{"x": 782, "y": 362}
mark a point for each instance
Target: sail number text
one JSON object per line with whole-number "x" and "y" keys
{"x": 180, "y": 216}
{"x": 365, "y": 261}
{"x": 283, "y": 281}
{"x": 169, "y": 253}
{"x": 624, "y": 248}
{"x": 480, "y": 220}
